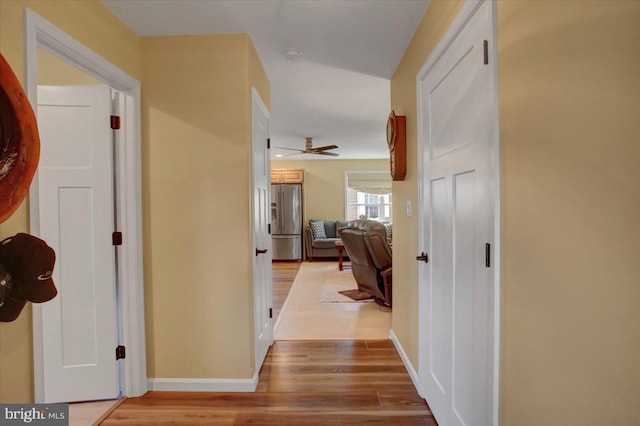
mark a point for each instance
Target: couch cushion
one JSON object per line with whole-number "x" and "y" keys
{"x": 325, "y": 243}
{"x": 317, "y": 228}
{"x": 340, "y": 225}
{"x": 330, "y": 229}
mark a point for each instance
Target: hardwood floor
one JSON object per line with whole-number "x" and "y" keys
{"x": 284, "y": 273}
{"x": 301, "y": 383}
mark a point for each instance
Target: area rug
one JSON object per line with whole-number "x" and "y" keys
{"x": 306, "y": 315}
{"x": 333, "y": 291}
{"x": 356, "y": 294}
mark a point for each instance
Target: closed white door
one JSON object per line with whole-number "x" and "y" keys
{"x": 263, "y": 324}
{"x": 457, "y": 128}
{"x": 76, "y": 209}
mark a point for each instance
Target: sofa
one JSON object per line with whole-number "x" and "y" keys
{"x": 326, "y": 246}
{"x": 318, "y": 245}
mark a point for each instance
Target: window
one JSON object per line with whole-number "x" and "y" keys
{"x": 368, "y": 196}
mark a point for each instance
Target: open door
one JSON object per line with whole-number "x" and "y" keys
{"x": 261, "y": 172}
{"x": 76, "y": 213}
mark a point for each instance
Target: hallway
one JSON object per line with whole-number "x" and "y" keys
{"x": 301, "y": 382}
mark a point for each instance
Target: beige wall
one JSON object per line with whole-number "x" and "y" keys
{"x": 93, "y": 25}
{"x": 257, "y": 77}
{"x": 405, "y": 229}
{"x": 569, "y": 85}
{"x": 53, "y": 71}
{"x": 570, "y": 199}
{"x": 196, "y": 180}
{"x": 197, "y": 222}
{"x": 324, "y": 183}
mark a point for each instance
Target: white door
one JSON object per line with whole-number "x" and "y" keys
{"x": 261, "y": 237}
{"x": 76, "y": 210}
{"x": 457, "y": 125}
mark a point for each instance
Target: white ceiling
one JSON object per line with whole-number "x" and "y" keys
{"x": 338, "y": 92}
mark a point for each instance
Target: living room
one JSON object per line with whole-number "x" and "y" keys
{"x": 331, "y": 191}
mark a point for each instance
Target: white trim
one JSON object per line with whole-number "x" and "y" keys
{"x": 467, "y": 12}
{"x": 458, "y": 24}
{"x": 204, "y": 385}
{"x": 493, "y": 60}
{"x": 346, "y": 195}
{"x": 415, "y": 378}
{"x": 41, "y": 33}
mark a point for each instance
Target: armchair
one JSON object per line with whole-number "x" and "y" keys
{"x": 371, "y": 258}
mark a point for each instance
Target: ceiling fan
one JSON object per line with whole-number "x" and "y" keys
{"x": 309, "y": 149}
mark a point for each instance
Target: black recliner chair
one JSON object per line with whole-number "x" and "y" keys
{"x": 366, "y": 243}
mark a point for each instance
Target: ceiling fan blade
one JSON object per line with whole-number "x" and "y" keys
{"x": 290, "y": 149}
{"x": 324, "y": 148}
{"x": 333, "y": 154}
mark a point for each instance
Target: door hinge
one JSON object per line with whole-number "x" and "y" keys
{"x": 268, "y": 143}
{"x": 270, "y": 312}
{"x": 269, "y": 229}
{"x": 486, "y": 52}
{"x": 115, "y": 122}
{"x": 487, "y": 255}
{"x": 116, "y": 238}
{"x": 120, "y": 352}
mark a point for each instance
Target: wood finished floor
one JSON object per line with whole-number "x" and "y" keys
{"x": 301, "y": 383}
{"x": 283, "y": 275}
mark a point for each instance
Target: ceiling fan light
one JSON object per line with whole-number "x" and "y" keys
{"x": 292, "y": 54}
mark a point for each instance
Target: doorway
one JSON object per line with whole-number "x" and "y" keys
{"x": 40, "y": 33}
{"x": 76, "y": 195}
{"x": 261, "y": 170}
{"x": 319, "y": 302}
{"x": 458, "y": 278}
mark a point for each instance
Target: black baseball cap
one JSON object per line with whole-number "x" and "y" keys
{"x": 11, "y": 301}
{"x": 29, "y": 261}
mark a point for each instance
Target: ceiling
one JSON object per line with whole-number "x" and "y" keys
{"x": 337, "y": 91}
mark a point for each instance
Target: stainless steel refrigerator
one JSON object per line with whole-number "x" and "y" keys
{"x": 286, "y": 221}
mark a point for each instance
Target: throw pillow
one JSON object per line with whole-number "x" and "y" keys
{"x": 317, "y": 228}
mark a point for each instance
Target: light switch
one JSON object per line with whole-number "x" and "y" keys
{"x": 409, "y": 209}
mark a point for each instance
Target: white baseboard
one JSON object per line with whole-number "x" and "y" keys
{"x": 405, "y": 360}
{"x": 204, "y": 385}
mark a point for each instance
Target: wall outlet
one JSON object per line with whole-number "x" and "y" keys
{"x": 409, "y": 209}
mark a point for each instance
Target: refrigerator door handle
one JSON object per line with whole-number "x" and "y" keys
{"x": 274, "y": 216}
{"x": 281, "y": 202}
{"x": 275, "y": 206}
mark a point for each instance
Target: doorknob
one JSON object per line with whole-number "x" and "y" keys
{"x": 260, "y": 251}
{"x": 424, "y": 257}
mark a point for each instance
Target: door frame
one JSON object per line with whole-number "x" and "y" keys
{"x": 41, "y": 33}
{"x": 458, "y": 24}
{"x": 258, "y": 103}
